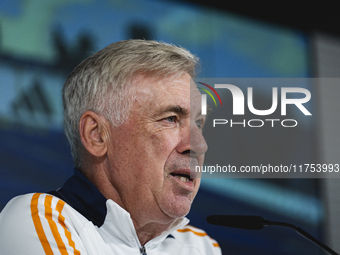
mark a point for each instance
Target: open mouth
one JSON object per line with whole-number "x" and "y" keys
{"x": 183, "y": 177}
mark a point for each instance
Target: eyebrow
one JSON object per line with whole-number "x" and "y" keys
{"x": 174, "y": 108}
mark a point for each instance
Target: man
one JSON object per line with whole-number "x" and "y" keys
{"x": 133, "y": 138}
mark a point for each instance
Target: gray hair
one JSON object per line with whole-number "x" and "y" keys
{"x": 101, "y": 82}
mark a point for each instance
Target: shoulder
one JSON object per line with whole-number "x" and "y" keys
{"x": 29, "y": 222}
{"x": 17, "y": 228}
{"x": 198, "y": 238}
{"x": 37, "y": 209}
{"x": 16, "y": 212}
{"x": 31, "y": 206}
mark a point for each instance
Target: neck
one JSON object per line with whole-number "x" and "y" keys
{"x": 150, "y": 231}
{"x": 146, "y": 229}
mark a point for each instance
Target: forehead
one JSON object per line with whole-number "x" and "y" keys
{"x": 154, "y": 96}
{"x": 153, "y": 90}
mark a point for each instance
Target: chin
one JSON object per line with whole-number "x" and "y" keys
{"x": 177, "y": 210}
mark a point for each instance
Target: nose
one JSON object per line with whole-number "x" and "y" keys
{"x": 193, "y": 143}
{"x": 198, "y": 145}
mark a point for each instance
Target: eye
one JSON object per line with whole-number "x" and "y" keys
{"x": 171, "y": 119}
{"x": 200, "y": 123}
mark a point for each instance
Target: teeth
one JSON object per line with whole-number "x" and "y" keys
{"x": 184, "y": 179}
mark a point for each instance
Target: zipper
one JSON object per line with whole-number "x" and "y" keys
{"x": 142, "y": 250}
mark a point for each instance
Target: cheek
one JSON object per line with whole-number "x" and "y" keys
{"x": 163, "y": 143}
{"x": 149, "y": 155}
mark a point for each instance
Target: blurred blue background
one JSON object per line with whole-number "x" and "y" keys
{"x": 42, "y": 41}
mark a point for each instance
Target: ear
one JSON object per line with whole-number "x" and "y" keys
{"x": 94, "y": 133}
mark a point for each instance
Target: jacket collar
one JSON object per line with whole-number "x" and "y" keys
{"x": 84, "y": 197}
{"x": 118, "y": 223}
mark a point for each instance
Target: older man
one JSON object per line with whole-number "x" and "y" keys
{"x": 133, "y": 138}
